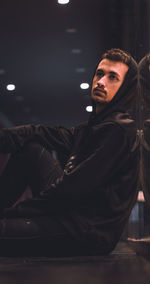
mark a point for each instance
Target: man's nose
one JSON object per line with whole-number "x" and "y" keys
{"x": 101, "y": 82}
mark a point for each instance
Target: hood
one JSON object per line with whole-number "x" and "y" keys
{"x": 124, "y": 101}
{"x": 125, "y": 98}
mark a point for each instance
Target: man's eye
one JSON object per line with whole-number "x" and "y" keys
{"x": 99, "y": 74}
{"x": 113, "y": 77}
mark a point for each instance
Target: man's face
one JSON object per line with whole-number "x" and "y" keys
{"x": 108, "y": 78}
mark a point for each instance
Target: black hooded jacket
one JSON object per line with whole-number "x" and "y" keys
{"x": 94, "y": 197}
{"x": 144, "y": 126}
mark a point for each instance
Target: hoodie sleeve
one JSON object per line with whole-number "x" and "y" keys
{"x": 12, "y": 140}
{"x": 106, "y": 161}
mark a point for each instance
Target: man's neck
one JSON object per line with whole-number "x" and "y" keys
{"x": 99, "y": 108}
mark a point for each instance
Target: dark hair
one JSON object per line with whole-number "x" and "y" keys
{"x": 116, "y": 54}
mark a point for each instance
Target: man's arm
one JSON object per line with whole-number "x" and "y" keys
{"x": 95, "y": 171}
{"x": 12, "y": 140}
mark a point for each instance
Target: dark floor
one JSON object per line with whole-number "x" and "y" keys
{"x": 122, "y": 266}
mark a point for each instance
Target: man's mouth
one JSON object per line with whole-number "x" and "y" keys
{"x": 99, "y": 92}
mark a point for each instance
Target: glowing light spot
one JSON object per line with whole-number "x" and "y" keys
{"x": 63, "y": 1}
{"x": 89, "y": 108}
{"x": 84, "y": 86}
{"x": 140, "y": 196}
{"x": 10, "y": 87}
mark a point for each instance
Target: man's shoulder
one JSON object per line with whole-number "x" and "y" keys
{"x": 124, "y": 120}
{"x": 118, "y": 123}
{"x": 126, "y": 124}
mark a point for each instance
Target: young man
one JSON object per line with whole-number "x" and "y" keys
{"x": 83, "y": 205}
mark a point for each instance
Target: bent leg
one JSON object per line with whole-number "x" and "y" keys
{"x": 13, "y": 181}
{"x": 42, "y": 168}
{"x": 34, "y": 167}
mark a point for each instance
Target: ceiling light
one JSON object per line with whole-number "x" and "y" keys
{"x": 76, "y": 51}
{"x": 2, "y": 71}
{"x": 71, "y": 31}
{"x": 80, "y": 70}
{"x": 84, "y": 86}
{"x": 10, "y": 87}
{"x": 89, "y": 108}
{"x": 63, "y": 1}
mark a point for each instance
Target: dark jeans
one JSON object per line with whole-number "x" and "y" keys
{"x": 34, "y": 167}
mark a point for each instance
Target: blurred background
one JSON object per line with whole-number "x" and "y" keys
{"x": 48, "y": 49}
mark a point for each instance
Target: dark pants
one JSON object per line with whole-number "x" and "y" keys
{"x": 34, "y": 167}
